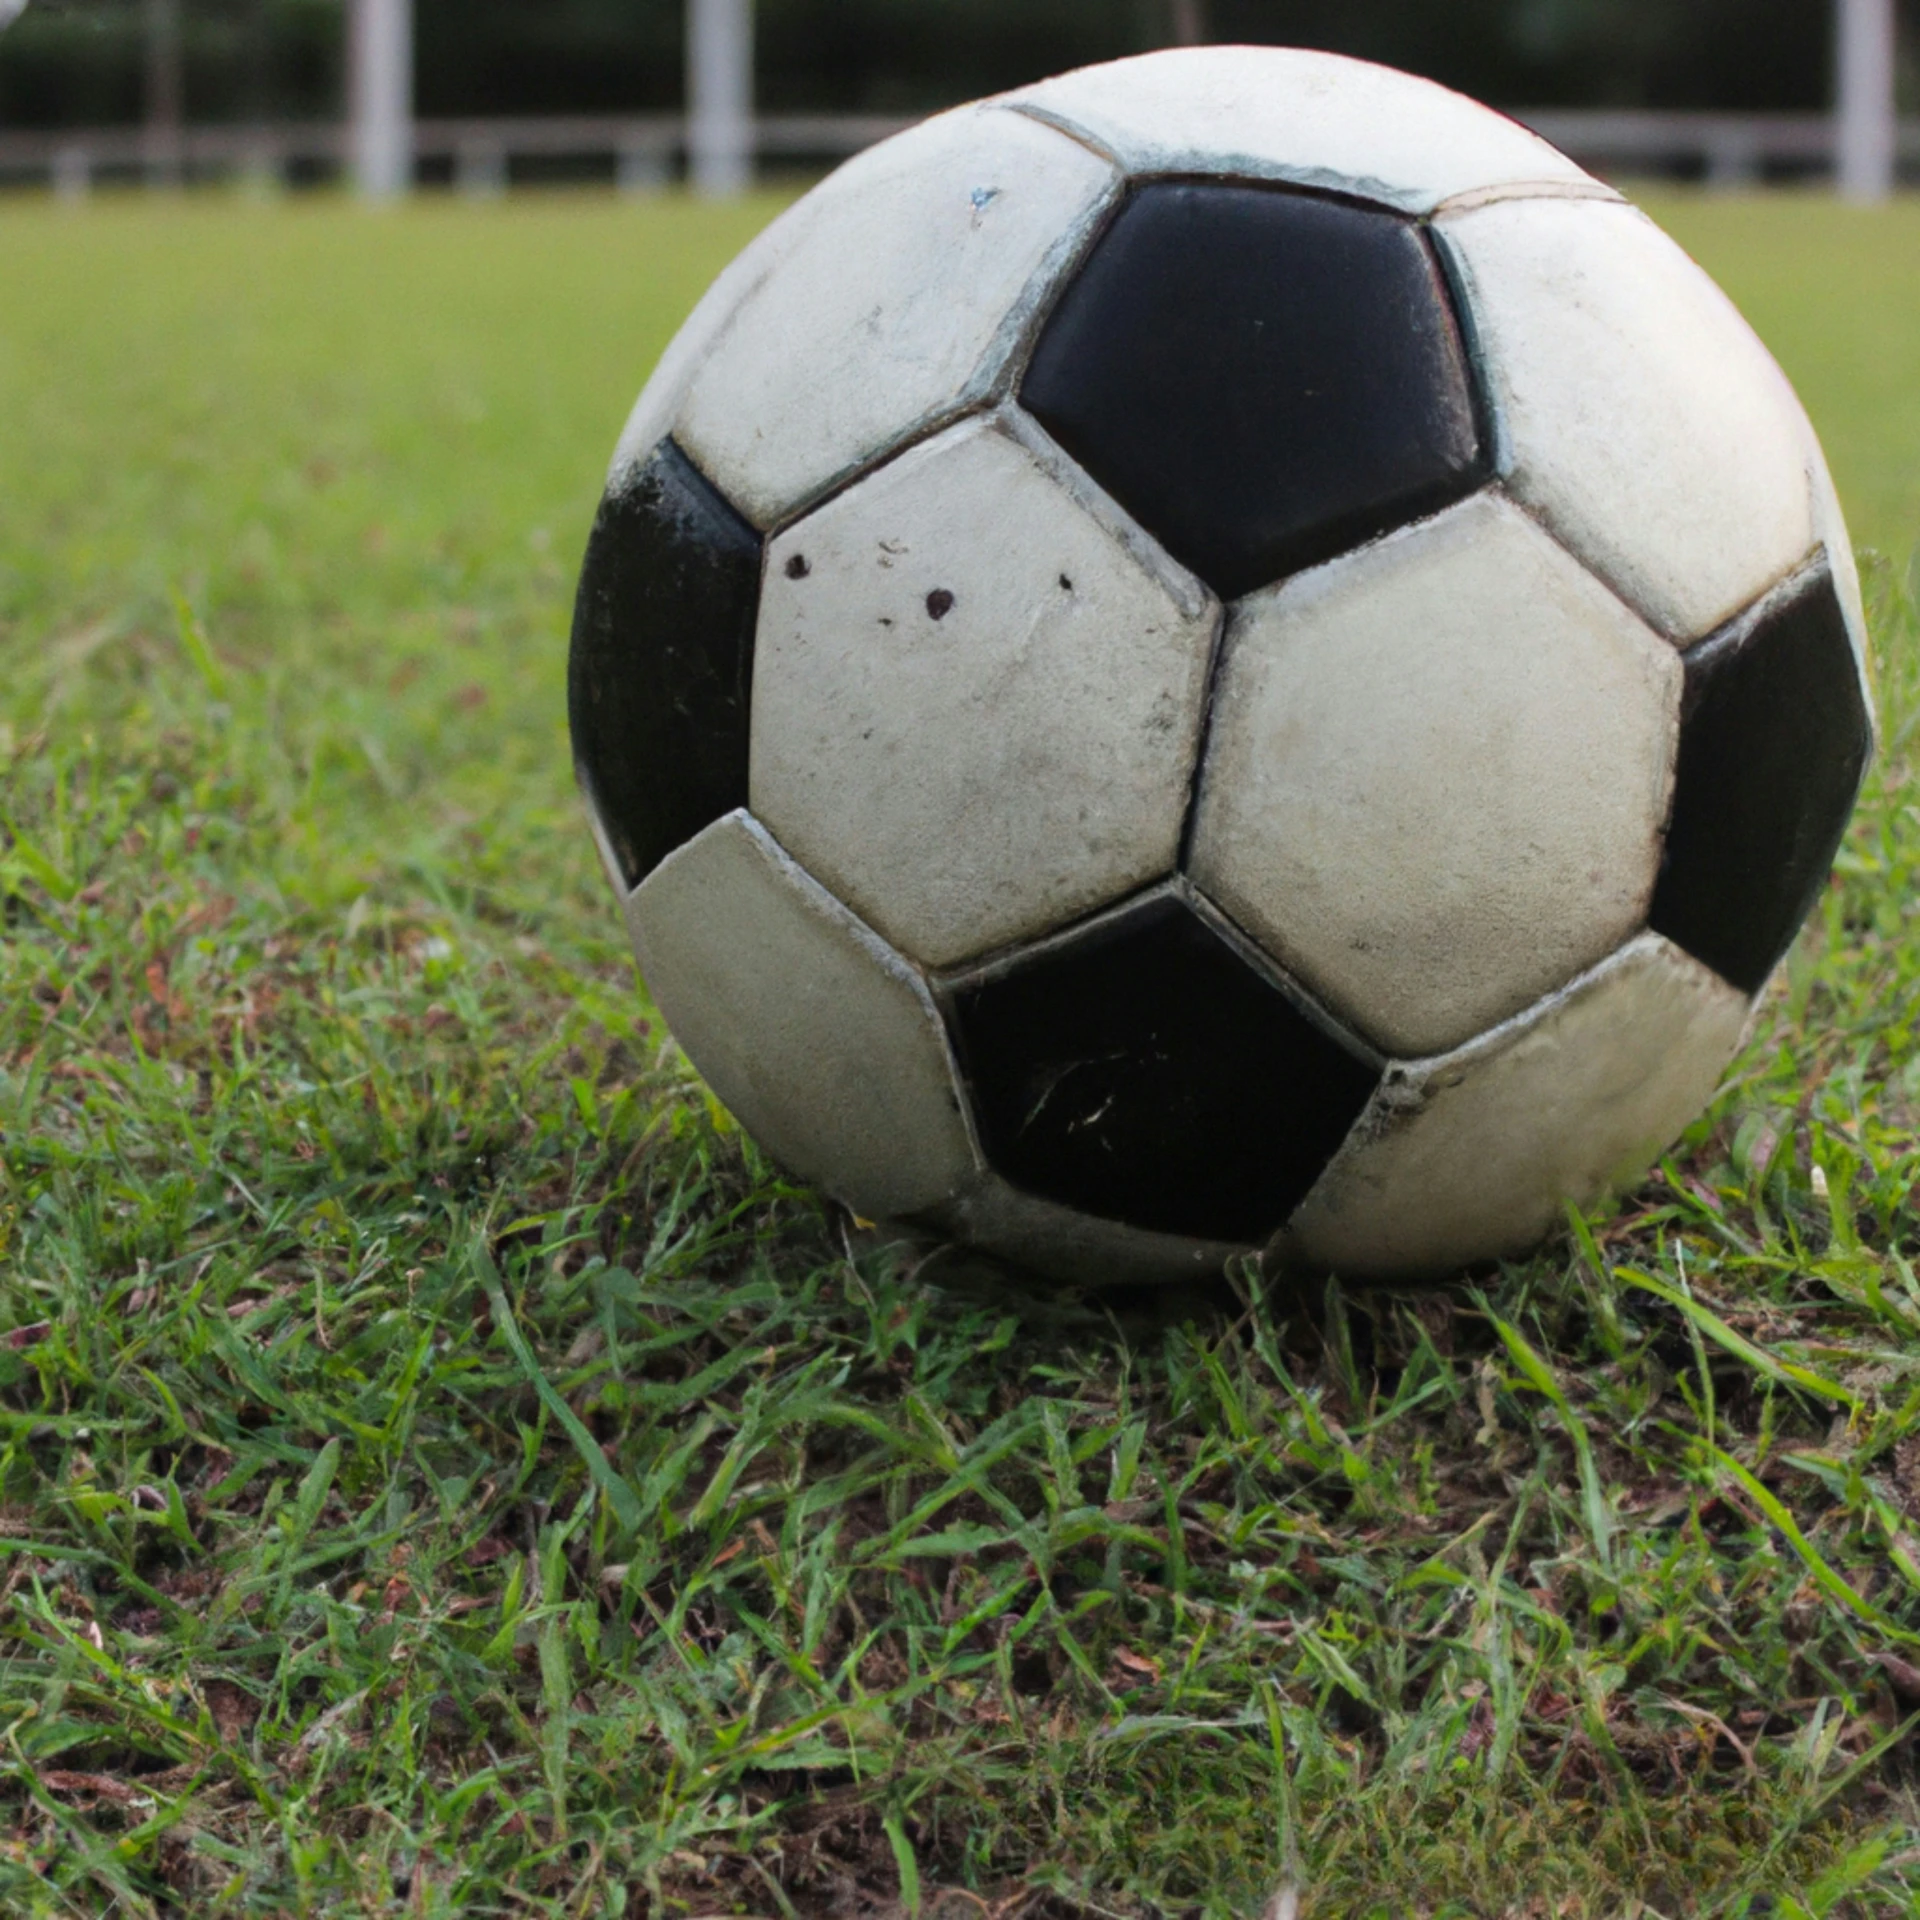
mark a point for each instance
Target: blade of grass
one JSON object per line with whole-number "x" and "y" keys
{"x": 1784, "y": 1523}
{"x": 1786, "y": 1372}
{"x": 1539, "y": 1376}
{"x": 619, "y": 1496}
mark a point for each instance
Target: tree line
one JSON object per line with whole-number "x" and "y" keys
{"x": 71, "y": 62}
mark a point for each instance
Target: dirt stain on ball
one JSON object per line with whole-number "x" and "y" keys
{"x": 939, "y": 603}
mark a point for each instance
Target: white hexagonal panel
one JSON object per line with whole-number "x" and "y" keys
{"x": 902, "y": 290}
{"x": 1281, "y": 113}
{"x": 1078, "y": 1247}
{"x": 976, "y": 702}
{"x": 658, "y": 407}
{"x": 1638, "y": 413}
{"x": 1481, "y": 1152}
{"x": 1437, "y": 775}
{"x": 819, "y": 1038}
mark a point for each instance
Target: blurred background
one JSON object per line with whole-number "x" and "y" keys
{"x": 521, "y": 91}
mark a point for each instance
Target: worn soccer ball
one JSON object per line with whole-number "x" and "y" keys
{"x": 1223, "y": 653}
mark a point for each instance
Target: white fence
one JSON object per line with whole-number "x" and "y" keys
{"x": 643, "y": 151}
{"x": 1727, "y": 148}
{"x": 640, "y": 151}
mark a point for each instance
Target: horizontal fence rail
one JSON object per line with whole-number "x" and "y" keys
{"x": 643, "y": 151}
{"x": 1729, "y": 147}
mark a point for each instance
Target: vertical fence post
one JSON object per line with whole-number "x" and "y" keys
{"x": 640, "y": 167}
{"x": 72, "y": 174}
{"x": 480, "y": 169}
{"x": 165, "y": 94}
{"x": 381, "y": 97}
{"x": 1867, "y": 128}
{"x": 720, "y": 96}
{"x": 1189, "y": 23}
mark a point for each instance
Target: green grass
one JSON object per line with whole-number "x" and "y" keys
{"x": 444, "y": 1470}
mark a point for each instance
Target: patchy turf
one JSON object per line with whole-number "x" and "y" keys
{"x": 443, "y": 1469}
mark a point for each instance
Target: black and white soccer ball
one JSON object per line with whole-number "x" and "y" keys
{"x": 1223, "y": 652}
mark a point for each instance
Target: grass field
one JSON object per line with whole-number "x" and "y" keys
{"x": 444, "y": 1470}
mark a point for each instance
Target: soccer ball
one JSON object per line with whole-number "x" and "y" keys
{"x": 1222, "y": 653}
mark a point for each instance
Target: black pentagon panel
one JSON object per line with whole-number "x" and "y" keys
{"x": 1143, "y": 1072}
{"x": 1263, "y": 378}
{"x": 1774, "y": 742}
{"x": 660, "y": 677}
